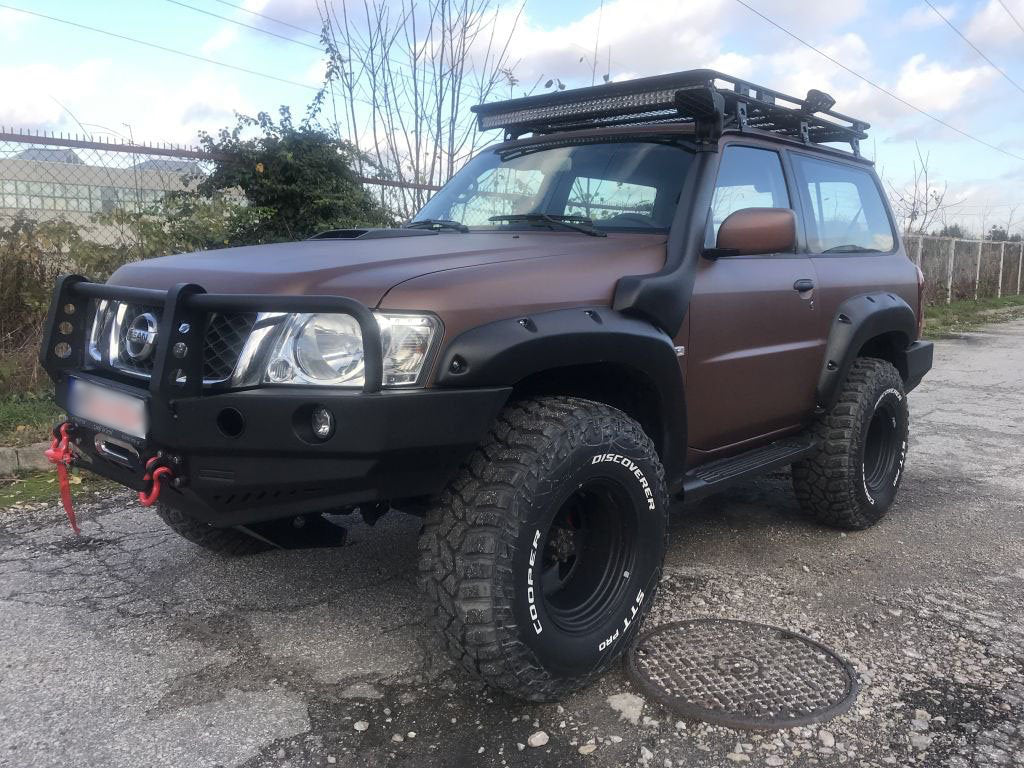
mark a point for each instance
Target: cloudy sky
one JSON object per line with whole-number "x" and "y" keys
{"x": 58, "y": 77}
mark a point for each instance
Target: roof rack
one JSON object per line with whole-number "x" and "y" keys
{"x": 711, "y": 100}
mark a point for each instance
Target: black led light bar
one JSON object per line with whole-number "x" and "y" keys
{"x": 709, "y": 99}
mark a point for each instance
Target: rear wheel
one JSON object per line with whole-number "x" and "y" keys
{"x": 542, "y": 557}
{"x": 852, "y": 480}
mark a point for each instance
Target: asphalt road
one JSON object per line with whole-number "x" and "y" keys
{"x": 130, "y": 647}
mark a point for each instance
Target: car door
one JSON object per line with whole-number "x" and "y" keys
{"x": 755, "y": 348}
{"x": 851, "y": 239}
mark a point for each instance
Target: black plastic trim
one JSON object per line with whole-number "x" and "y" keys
{"x": 858, "y": 320}
{"x": 664, "y": 296}
{"x": 919, "y": 361}
{"x": 508, "y": 351}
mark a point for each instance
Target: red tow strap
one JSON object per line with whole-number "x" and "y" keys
{"x": 60, "y": 454}
{"x": 154, "y": 476}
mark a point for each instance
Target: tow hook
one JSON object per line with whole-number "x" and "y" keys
{"x": 60, "y": 454}
{"x": 155, "y": 473}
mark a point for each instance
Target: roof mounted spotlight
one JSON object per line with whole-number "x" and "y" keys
{"x": 818, "y": 101}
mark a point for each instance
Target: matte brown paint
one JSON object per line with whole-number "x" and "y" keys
{"x": 754, "y": 346}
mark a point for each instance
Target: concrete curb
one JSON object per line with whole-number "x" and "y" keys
{"x": 28, "y": 458}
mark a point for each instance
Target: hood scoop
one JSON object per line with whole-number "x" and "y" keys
{"x": 377, "y": 233}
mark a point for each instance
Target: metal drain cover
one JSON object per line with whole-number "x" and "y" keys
{"x": 741, "y": 674}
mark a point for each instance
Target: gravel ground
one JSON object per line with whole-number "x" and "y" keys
{"x": 130, "y": 647}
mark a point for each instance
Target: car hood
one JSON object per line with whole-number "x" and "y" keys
{"x": 360, "y": 269}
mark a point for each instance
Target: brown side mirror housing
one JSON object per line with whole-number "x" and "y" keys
{"x": 756, "y": 230}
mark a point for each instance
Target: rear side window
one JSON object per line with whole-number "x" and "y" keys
{"x": 747, "y": 178}
{"x": 847, "y": 212}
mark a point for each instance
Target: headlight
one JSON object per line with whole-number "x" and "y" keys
{"x": 328, "y": 349}
{"x": 98, "y": 330}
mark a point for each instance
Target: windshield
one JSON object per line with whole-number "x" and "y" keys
{"x": 621, "y": 186}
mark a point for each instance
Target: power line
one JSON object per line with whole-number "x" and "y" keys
{"x": 408, "y": 75}
{"x": 247, "y": 26}
{"x": 163, "y": 48}
{"x": 977, "y": 50}
{"x": 878, "y": 87}
{"x": 269, "y": 18}
{"x": 1010, "y": 14}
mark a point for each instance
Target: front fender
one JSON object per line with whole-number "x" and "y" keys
{"x": 508, "y": 351}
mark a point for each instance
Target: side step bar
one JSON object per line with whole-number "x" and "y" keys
{"x": 715, "y": 475}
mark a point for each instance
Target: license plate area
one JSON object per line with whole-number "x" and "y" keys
{"x": 107, "y": 408}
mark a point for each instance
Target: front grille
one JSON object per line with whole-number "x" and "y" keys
{"x": 124, "y": 361}
{"x": 226, "y": 334}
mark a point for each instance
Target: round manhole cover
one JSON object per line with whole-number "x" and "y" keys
{"x": 741, "y": 674}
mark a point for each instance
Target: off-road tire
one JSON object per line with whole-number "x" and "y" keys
{"x": 223, "y": 541}
{"x": 500, "y": 511}
{"x": 836, "y": 484}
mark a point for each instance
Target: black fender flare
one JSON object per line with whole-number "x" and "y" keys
{"x": 858, "y": 320}
{"x": 504, "y": 352}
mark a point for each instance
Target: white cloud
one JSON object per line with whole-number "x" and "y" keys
{"x": 223, "y": 38}
{"x": 660, "y": 36}
{"x": 933, "y": 86}
{"x": 993, "y": 27}
{"x": 300, "y": 13}
{"x": 922, "y": 16}
{"x": 11, "y": 23}
{"x": 174, "y": 112}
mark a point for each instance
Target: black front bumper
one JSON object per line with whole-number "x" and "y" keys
{"x": 387, "y": 445}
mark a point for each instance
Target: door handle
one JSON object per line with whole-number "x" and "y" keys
{"x": 803, "y": 284}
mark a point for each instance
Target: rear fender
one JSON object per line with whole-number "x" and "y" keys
{"x": 857, "y": 321}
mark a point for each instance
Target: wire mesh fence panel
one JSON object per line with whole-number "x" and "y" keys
{"x": 988, "y": 273}
{"x": 52, "y": 181}
{"x": 965, "y": 270}
{"x": 935, "y": 255}
{"x": 1011, "y": 263}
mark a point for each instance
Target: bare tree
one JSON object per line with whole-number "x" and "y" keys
{"x": 400, "y": 78}
{"x": 921, "y": 203}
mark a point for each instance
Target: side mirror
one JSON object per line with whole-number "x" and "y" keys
{"x": 756, "y": 230}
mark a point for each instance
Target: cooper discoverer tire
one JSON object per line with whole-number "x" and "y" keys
{"x": 852, "y": 480}
{"x": 223, "y": 541}
{"x": 542, "y": 557}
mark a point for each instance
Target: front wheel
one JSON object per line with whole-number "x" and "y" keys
{"x": 852, "y": 479}
{"x": 542, "y": 557}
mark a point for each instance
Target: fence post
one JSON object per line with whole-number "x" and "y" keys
{"x": 977, "y": 270}
{"x": 1020, "y": 263}
{"x": 920, "y": 247}
{"x": 1002, "y": 253}
{"x": 949, "y": 270}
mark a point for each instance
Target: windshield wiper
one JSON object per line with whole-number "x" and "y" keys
{"x": 851, "y": 249}
{"x": 576, "y": 223}
{"x": 458, "y": 226}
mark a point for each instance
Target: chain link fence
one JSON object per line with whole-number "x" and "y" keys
{"x": 956, "y": 269}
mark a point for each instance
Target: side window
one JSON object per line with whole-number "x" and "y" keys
{"x": 847, "y": 212}
{"x": 747, "y": 178}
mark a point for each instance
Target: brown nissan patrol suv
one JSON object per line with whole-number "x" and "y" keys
{"x": 648, "y": 290}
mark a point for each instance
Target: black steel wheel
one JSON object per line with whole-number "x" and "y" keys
{"x": 852, "y": 480}
{"x": 541, "y": 559}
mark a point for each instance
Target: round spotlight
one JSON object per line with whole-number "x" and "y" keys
{"x": 322, "y": 422}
